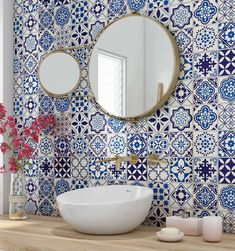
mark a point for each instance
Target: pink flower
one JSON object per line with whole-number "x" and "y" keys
{"x": 4, "y": 147}
{"x": 13, "y": 165}
{"x": 3, "y": 169}
{"x": 35, "y": 137}
{"x": 2, "y": 111}
{"x": 16, "y": 143}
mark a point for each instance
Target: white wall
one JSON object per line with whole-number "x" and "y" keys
{"x": 6, "y": 83}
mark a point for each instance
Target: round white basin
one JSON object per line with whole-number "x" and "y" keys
{"x": 105, "y": 209}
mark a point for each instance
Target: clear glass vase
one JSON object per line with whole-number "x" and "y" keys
{"x": 17, "y": 198}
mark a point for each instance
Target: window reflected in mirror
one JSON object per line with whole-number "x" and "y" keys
{"x": 112, "y": 81}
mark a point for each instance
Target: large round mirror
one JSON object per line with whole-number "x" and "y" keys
{"x": 133, "y": 67}
{"x": 59, "y": 73}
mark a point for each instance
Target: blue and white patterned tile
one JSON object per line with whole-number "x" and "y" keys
{"x": 62, "y": 105}
{"x": 181, "y": 195}
{"x": 117, "y": 144}
{"x": 62, "y": 15}
{"x": 226, "y": 116}
{"x": 205, "y": 144}
{"x": 61, "y": 185}
{"x": 95, "y": 28}
{"x": 97, "y": 171}
{"x": 62, "y": 124}
{"x": 136, "y": 6}
{"x": 205, "y": 91}
{"x": 137, "y": 144}
{"x": 181, "y": 169}
{"x": 98, "y": 145}
{"x": 98, "y": 10}
{"x": 205, "y": 170}
{"x": 226, "y": 62}
{"x": 116, "y": 8}
{"x": 227, "y": 197}
{"x": 226, "y": 143}
{"x": 186, "y": 67}
{"x": 80, "y": 34}
{"x": 79, "y": 123}
{"x": 181, "y": 16}
{"x": 226, "y": 89}
{"x": 181, "y": 144}
{"x": 62, "y": 38}
{"x": 80, "y": 167}
{"x": 181, "y": 119}
{"x": 159, "y": 171}
{"x": 160, "y": 193}
{"x": 79, "y": 12}
{"x": 140, "y": 126}
{"x": 116, "y": 126}
{"x": 97, "y": 123}
{"x": 228, "y": 222}
{"x": 205, "y": 38}
{"x": 158, "y": 143}
{"x": 46, "y": 41}
{"x": 205, "y": 117}
{"x": 31, "y": 205}
{"x": 79, "y": 145}
{"x": 159, "y": 120}
{"x": 226, "y": 10}
{"x": 114, "y": 174}
{"x": 79, "y": 184}
{"x": 45, "y": 20}
{"x": 157, "y": 216}
{"x": 184, "y": 40}
{"x": 226, "y": 170}
{"x": 46, "y": 166}
{"x": 205, "y": 12}
{"x": 62, "y": 167}
{"x": 205, "y": 65}
{"x": 161, "y": 15}
{"x": 183, "y": 94}
{"x": 205, "y": 196}
{"x": 226, "y": 35}
{"x": 138, "y": 171}
{"x": 30, "y": 6}
{"x": 62, "y": 145}
{"x": 46, "y": 146}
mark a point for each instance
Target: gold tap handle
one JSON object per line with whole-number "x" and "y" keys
{"x": 107, "y": 160}
{"x": 153, "y": 159}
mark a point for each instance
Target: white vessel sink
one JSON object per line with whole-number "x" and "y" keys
{"x": 105, "y": 209}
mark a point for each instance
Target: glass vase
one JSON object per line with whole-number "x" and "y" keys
{"x": 17, "y": 198}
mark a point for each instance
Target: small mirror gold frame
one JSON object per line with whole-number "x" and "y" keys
{"x": 160, "y": 100}
{"x": 66, "y": 94}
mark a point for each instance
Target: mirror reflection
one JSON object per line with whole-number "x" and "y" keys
{"x": 133, "y": 66}
{"x": 59, "y": 73}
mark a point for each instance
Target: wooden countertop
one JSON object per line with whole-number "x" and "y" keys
{"x": 39, "y": 233}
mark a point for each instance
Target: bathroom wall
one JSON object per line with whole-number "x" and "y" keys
{"x": 6, "y": 85}
{"x": 194, "y": 131}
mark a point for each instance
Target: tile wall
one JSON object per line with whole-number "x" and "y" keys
{"x": 194, "y": 131}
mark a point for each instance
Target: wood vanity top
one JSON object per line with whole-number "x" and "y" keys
{"x": 39, "y": 233}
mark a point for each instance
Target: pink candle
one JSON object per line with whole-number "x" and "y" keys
{"x": 212, "y": 228}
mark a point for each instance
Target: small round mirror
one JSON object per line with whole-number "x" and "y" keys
{"x": 59, "y": 73}
{"x": 134, "y": 67}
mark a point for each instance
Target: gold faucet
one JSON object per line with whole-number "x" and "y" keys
{"x": 153, "y": 159}
{"x": 133, "y": 158}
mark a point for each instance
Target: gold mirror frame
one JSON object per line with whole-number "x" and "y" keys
{"x": 70, "y": 91}
{"x": 173, "y": 81}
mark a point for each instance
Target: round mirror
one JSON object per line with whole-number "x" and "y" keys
{"x": 134, "y": 67}
{"x": 59, "y": 73}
